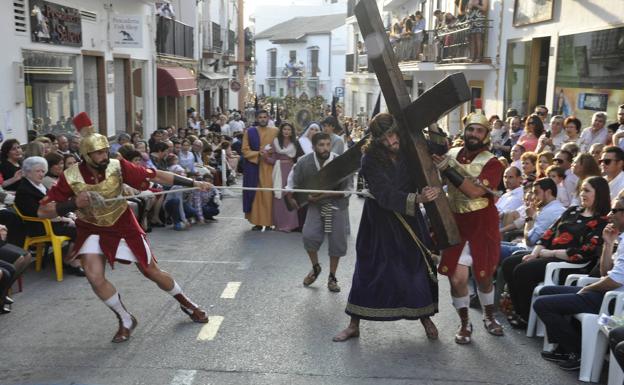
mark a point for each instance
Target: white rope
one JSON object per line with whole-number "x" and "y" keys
{"x": 186, "y": 189}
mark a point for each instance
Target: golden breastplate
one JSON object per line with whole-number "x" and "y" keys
{"x": 459, "y": 202}
{"x": 110, "y": 187}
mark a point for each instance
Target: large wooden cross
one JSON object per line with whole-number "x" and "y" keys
{"x": 413, "y": 117}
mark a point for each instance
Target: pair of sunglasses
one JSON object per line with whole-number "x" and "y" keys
{"x": 606, "y": 161}
{"x": 615, "y": 211}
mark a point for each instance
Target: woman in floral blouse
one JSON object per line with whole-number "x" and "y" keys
{"x": 575, "y": 237}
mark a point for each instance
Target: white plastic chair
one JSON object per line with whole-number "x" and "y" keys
{"x": 616, "y": 375}
{"x": 579, "y": 280}
{"x": 595, "y": 343}
{"x": 535, "y": 327}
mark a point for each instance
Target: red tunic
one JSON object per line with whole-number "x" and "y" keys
{"x": 126, "y": 226}
{"x": 480, "y": 228}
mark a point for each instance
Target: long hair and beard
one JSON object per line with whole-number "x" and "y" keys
{"x": 380, "y": 125}
{"x": 379, "y": 153}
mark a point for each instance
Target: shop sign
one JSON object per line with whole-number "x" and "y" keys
{"x": 53, "y": 23}
{"x": 235, "y": 86}
{"x": 127, "y": 31}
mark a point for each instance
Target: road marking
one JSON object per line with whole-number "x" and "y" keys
{"x": 202, "y": 262}
{"x": 230, "y": 290}
{"x": 184, "y": 377}
{"x": 209, "y": 331}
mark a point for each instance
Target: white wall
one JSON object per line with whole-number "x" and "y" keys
{"x": 331, "y": 60}
{"x": 94, "y": 38}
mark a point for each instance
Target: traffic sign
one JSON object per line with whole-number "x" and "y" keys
{"x": 339, "y": 92}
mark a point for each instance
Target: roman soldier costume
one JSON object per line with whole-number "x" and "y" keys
{"x": 477, "y": 221}
{"x": 110, "y": 228}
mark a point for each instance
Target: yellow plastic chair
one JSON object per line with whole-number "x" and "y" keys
{"x": 41, "y": 240}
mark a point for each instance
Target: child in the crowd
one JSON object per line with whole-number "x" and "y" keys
{"x": 557, "y": 174}
{"x": 206, "y": 203}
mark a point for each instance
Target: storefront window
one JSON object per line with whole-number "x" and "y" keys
{"x": 517, "y": 76}
{"x": 590, "y": 74}
{"x": 51, "y": 94}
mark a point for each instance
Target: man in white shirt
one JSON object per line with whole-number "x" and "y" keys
{"x": 619, "y": 129}
{"x": 513, "y": 197}
{"x": 557, "y": 303}
{"x": 236, "y": 125}
{"x": 516, "y": 152}
{"x": 597, "y": 133}
{"x": 611, "y": 164}
{"x": 552, "y": 140}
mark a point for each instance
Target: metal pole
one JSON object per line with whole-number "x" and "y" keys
{"x": 241, "y": 56}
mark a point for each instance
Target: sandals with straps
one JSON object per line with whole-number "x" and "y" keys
{"x": 312, "y": 275}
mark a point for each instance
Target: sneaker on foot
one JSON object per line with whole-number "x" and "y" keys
{"x": 555, "y": 356}
{"x": 572, "y": 363}
{"x": 332, "y": 284}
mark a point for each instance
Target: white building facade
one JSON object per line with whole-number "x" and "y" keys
{"x": 128, "y": 67}
{"x": 219, "y": 49}
{"x": 566, "y": 55}
{"x": 304, "y": 54}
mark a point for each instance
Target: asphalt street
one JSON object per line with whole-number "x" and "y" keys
{"x": 268, "y": 330}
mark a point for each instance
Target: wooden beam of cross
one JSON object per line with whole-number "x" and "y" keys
{"x": 412, "y": 117}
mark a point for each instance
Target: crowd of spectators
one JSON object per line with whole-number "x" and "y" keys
{"x": 207, "y": 152}
{"x": 557, "y": 189}
{"x": 554, "y": 202}
{"x": 458, "y": 35}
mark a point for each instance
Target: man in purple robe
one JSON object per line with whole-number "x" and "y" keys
{"x": 395, "y": 277}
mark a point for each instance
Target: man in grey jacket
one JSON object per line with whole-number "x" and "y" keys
{"x": 327, "y": 213}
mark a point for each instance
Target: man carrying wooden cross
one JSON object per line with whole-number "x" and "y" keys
{"x": 471, "y": 171}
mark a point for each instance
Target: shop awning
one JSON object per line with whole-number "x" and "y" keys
{"x": 176, "y": 82}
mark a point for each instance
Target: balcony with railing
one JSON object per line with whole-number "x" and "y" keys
{"x": 218, "y": 40}
{"x": 448, "y": 45}
{"x": 173, "y": 37}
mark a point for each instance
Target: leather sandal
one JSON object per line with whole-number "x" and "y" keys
{"x": 197, "y": 314}
{"x": 491, "y": 324}
{"x": 464, "y": 334}
{"x": 312, "y": 275}
{"x": 123, "y": 333}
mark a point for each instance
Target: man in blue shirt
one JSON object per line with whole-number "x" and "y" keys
{"x": 537, "y": 222}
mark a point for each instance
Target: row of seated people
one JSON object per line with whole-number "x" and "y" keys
{"x": 540, "y": 225}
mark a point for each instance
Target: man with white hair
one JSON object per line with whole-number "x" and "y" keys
{"x": 236, "y": 124}
{"x": 596, "y": 133}
{"x": 552, "y": 140}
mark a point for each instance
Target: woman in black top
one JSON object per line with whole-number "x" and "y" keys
{"x": 575, "y": 237}
{"x": 10, "y": 164}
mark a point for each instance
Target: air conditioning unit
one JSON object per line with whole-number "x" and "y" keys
{"x": 18, "y": 75}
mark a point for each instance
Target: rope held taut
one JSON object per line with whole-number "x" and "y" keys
{"x": 186, "y": 189}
